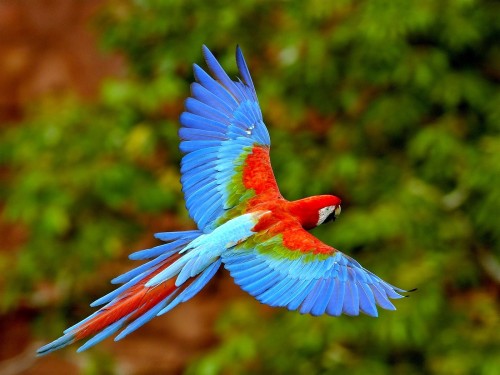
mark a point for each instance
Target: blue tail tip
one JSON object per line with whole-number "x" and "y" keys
{"x": 61, "y": 342}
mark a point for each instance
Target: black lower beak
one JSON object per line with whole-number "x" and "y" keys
{"x": 330, "y": 217}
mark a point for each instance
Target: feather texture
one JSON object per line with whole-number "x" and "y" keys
{"x": 179, "y": 271}
{"x": 222, "y": 123}
{"x": 310, "y": 276}
{"x": 243, "y": 223}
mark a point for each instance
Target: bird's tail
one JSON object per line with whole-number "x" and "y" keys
{"x": 149, "y": 290}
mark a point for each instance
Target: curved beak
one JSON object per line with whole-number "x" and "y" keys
{"x": 334, "y": 214}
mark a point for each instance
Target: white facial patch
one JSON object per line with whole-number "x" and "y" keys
{"x": 324, "y": 213}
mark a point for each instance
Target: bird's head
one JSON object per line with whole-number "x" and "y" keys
{"x": 317, "y": 210}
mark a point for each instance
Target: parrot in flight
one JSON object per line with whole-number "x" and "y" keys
{"x": 243, "y": 224}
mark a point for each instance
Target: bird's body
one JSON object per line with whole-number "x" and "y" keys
{"x": 243, "y": 223}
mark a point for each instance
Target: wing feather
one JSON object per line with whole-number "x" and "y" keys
{"x": 306, "y": 275}
{"x": 222, "y": 136}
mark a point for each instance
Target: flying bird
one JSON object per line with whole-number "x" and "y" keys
{"x": 243, "y": 224}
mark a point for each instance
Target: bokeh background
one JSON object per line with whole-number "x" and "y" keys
{"x": 392, "y": 105}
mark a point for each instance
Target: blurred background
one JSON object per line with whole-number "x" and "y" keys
{"x": 392, "y": 105}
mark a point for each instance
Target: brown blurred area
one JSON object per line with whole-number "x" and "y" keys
{"x": 49, "y": 47}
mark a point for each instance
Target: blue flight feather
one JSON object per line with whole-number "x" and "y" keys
{"x": 367, "y": 300}
{"x": 351, "y": 300}
{"x": 203, "y": 95}
{"x": 312, "y": 297}
{"x": 127, "y": 276}
{"x": 193, "y": 121}
{"x": 274, "y": 293}
{"x": 218, "y": 71}
{"x": 336, "y": 302}
{"x": 301, "y": 295}
{"x": 319, "y": 307}
{"x": 213, "y": 86}
{"x": 196, "y": 107}
{"x": 188, "y": 146}
{"x": 200, "y": 134}
{"x": 243, "y": 68}
{"x": 381, "y": 298}
{"x": 260, "y": 286}
{"x": 170, "y": 236}
{"x": 169, "y": 248}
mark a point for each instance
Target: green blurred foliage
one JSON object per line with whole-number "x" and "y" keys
{"x": 392, "y": 105}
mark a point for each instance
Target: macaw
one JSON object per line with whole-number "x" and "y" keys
{"x": 243, "y": 223}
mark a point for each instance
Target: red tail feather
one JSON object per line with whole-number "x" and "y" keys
{"x": 137, "y": 300}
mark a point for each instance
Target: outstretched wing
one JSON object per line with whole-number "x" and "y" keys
{"x": 225, "y": 142}
{"x": 287, "y": 266}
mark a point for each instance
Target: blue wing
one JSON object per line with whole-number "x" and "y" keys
{"x": 221, "y": 124}
{"x": 312, "y": 277}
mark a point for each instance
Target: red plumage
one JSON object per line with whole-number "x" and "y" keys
{"x": 286, "y": 218}
{"x": 137, "y": 300}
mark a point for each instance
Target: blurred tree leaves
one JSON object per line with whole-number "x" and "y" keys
{"x": 82, "y": 177}
{"x": 392, "y": 105}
